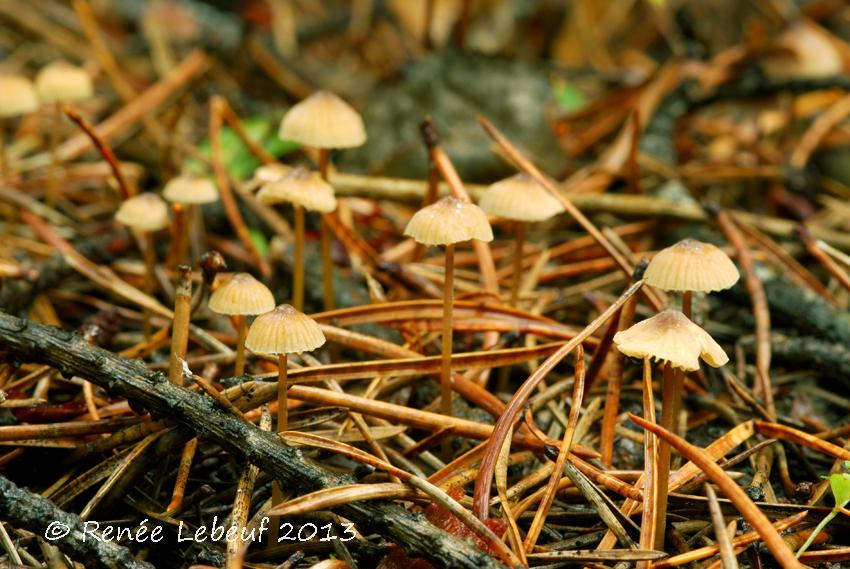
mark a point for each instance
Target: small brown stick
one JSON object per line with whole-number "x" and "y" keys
{"x": 721, "y": 536}
{"x": 180, "y": 324}
{"x": 790, "y": 434}
{"x": 819, "y": 128}
{"x": 217, "y": 395}
{"x": 558, "y": 470}
{"x": 822, "y": 257}
{"x": 651, "y": 482}
{"x": 612, "y": 391}
{"x": 509, "y": 416}
{"x": 783, "y": 555}
{"x": 228, "y": 200}
{"x": 183, "y": 471}
{"x": 761, "y": 313}
{"x": 242, "y": 501}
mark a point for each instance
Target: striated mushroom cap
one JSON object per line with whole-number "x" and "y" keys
{"x": 520, "y": 198}
{"x": 670, "y": 337}
{"x": 61, "y": 81}
{"x": 284, "y": 330}
{"x": 143, "y": 212}
{"x": 17, "y": 96}
{"x": 448, "y": 221}
{"x": 692, "y": 265}
{"x": 242, "y": 294}
{"x": 300, "y": 187}
{"x": 190, "y": 190}
{"x": 323, "y": 120}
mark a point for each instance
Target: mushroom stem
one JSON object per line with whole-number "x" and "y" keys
{"x": 150, "y": 267}
{"x": 327, "y": 265}
{"x": 298, "y": 266}
{"x": 446, "y": 368}
{"x": 53, "y": 178}
{"x": 180, "y": 324}
{"x": 241, "y": 332}
{"x": 519, "y": 234}
{"x": 4, "y": 158}
{"x": 650, "y": 477}
{"x": 671, "y": 401}
{"x": 429, "y": 17}
{"x": 177, "y": 251}
{"x": 686, "y": 303}
{"x": 282, "y": 398}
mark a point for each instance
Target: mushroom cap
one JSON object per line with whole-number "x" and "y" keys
{"x": 273, "y": 172}
{"x": 190, "y": 190}
{"x": 520, "y": 198}
{"x": 323, "y": 120}
{"x": 300, "y": 187}
{"x": 670, "y": 337}
{"x": 284, "y": 330}
{"x": 241, "y": 294}
{"x": 17, "y": 96}
{"x": 692, "y": 265}
{"x": 143, "y": 212}
{"x": 61, "y": 81}
{"x": 447, "y": 221}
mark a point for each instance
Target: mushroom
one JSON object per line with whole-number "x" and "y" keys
{"x": 280, "y": 332}
{"x": 690, "y": 266}
{"x": 186, "y": 193}
{"x": 304, "y": 190}
{"x": 669, "y": 337}
{"x": 521, "y": 199}
{"x": 446, "y": 222}
{"x": 59, "y": 83}
{"x": 241, "y": 295}
{"x": 17, "y": 97}
{"x": 146, "y": 214}
{"x": 324, "y": 121}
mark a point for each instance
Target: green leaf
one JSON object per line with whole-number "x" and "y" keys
{"x": 840, "y": 484}
{"x": 569, "y": 98}
{"x": 259, "y": 240}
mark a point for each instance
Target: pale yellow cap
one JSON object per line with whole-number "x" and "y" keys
{"x": 670, "y": 337}
{"x": 323, "y": 120}
{"x": 190, "y": 190}
{"x": 300, "y": 187}
{"x": 241, "y": 294}
{"x": 143, "y": 212}
{"x": 17, "y": 96}
{"x": 692, "y": 265}
{"x": 520, "y": 198}
{"x": 273, "y": 172}
{"x": 449, "y": 221}
{"x": 60, "y": 81}
{"x": 284, "y": 330}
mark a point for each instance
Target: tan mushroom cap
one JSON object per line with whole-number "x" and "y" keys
{"x": 191, "y": 190}
{"x": 17, "y": 96}
{"x": 692, "y": 265}
{"x": 61, "y": 81}
{"x": 323, "y": 120}
{"x": 268, "y": 173}
{"x": 448, "y": 221}
{"x": 670, "y": 337}
{"x": 284, "y": 330}
{"x": 520, "y": 198}
{"x": 241, "y": 294}
{"x": 143, "y": 212}
{"x": 300, "y": 187}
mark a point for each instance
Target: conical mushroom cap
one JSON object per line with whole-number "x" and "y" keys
{"x": 670, "y": 337}
{"x": 323, "y": 120}
{"x": 520, "y": 198}
{"x": 17, "y": 96}
{"x": 300, "y": 187}
{"x": 60, "y": 81}
{"x": 143, "y": 212}
{"x": 268, "y": 173}
{"x": 191, "y": 190}
{"x": 284, "y": 330}
{"x": 242, "y": 294}
{"x": 449, "y": 221}
{"x": 692, "y": 265}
